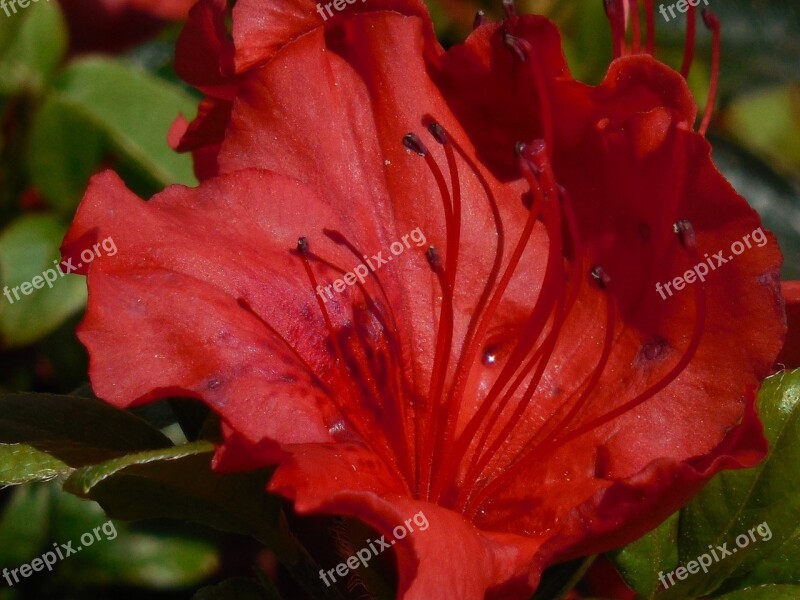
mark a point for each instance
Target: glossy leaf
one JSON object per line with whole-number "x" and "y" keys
{"x": 744, "y": 525}
{"x": 135, "y": 111}
{"x": 77, "y": 431}
{"x": 28, "y": 249}
{"x": 640, "y": 562}
{"x": 178, "y": 483}
{"x": 25, "y": 520}
{"x": 767, "y": 122}
{"x": 33, "y": 41}
{"x": 20, "y": 463}
{"x": 765, "y": 592}
{"x": 115, "y": 553}
{"x": 64, "y": 150}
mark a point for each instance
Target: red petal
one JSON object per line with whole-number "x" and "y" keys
{"x": 261, "y": 28}
{"x": 450, "y": 558}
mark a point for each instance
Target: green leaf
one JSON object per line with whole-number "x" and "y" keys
{"x": 64, "y": 150}
{"x": 20, "y": 463}
{"x": 640, "y": 562}
{"x": 178, "y": 483}
{"x": 28, "y": 249}
{"x": 135, "y": 111}
{"x": 238, "y": 588}
{"x": 114, "y": 553}
{"x": 765, "y": 592}
{"x": 753, "y": 514}
{"x": 24, "y": 524}
{"x": 32, "y": 43}
{"x": 76, "y": 431}
{"x": 767, "y": 122}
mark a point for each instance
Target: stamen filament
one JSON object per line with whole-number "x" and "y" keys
{"x": 712, "y": 22}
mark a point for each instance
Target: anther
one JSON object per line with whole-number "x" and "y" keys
{"x": 413, "y": 143}
{"x": 516, "y": 45}
{"x": 600, "y": 277}
{"x": 480, "y": 19}
{"x": 710, "y": 19}
{"x": 438, "y": 133}
{"x": 434, "y": 258}
{"x": 686, "y": 235}
{"x": 302, "y": 245}
{"x": 510, "y": 8}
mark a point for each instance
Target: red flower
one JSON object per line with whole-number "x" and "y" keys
{"x": 518, "y": 378}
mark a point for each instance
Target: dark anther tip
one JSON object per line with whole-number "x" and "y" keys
{"x": 686, "y": 235}
{"x": 710, "y": 19}
{"x": 600, "y": 277}
{"x": 302, "y": 245}
{"x": 434, "y": 258}
{"x": 438, "y": 132}
{"x": 413, "y": 143}
{"x": 519, "y": 148}
{"x": 510, "y": 8}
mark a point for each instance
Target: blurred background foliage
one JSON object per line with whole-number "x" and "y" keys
{"x": 69, "y": 108}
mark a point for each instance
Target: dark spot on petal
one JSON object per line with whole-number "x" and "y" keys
{"x": 213, "y": 384}
{"x": 644, "y": 231}
{"x": 653, "y": 350}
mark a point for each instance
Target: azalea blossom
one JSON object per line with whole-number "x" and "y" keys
{"x": 518, "y": 380}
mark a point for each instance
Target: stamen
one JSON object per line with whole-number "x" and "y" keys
{"x": 520, "y": 461}
{"x": 516, "y": 45}
{"x": 481, "y": 458}
{"x": 600, "y": 277}
{"x": 510, "y": 8}
{"x": 686, "y": 235}
{"x": 475, "y": 330}
{"x": 392, "y": 347}
{"x": 712, "y": 22}
{"x": 650, "y": 16}
{"x": 543, "y": 307}
{"x": 691, "y": 34}
{"x": 616, "y": 17}
{"x": 384, "y": 449}
{"x": 413, "y": 143}
{"x": 446, "y": 276}
{"x": 636, "y": 29}
{"x": 549, "y": 447}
